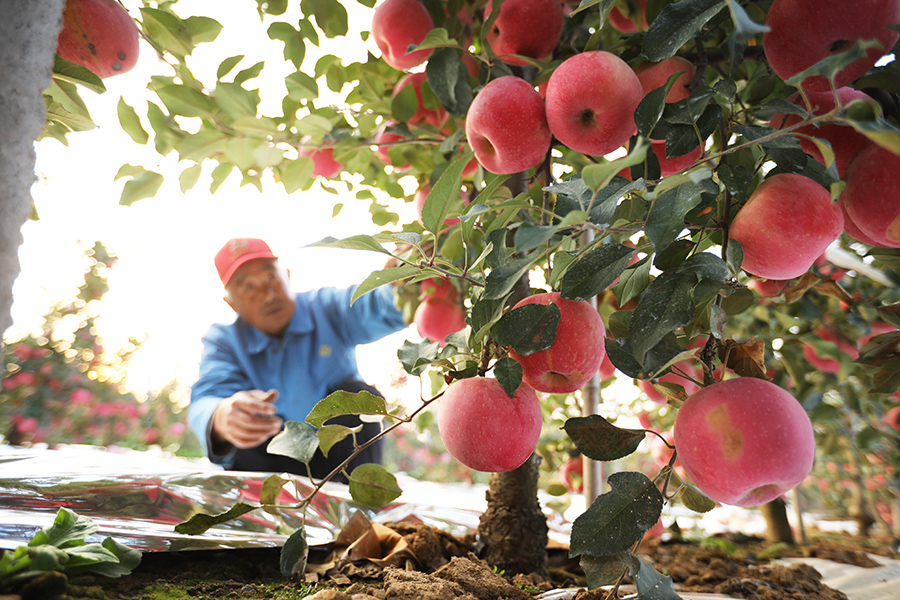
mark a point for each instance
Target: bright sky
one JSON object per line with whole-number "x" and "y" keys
{"x": 164, "y": 285}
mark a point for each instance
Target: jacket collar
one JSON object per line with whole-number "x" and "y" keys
{"x": 300, "y": 324}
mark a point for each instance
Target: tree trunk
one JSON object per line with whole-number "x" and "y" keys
{"x": 778, "y": 528}
{"x": 27, "y": 43}
{"x": 512, "y": 532}
{"x": 859, "y": 506}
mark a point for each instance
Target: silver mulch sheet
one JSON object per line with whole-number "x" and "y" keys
{"x": 139, "y": 497}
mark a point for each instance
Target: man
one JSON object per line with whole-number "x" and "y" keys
{"x": 283, "y": 353}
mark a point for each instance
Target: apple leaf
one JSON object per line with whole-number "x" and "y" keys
{"x": 373, "y": 485}
{"x": 618, "y": 518}
{"x": 330, "y": 15}
{"x": 595, "y": 270}
{"x": 602, "y": 570}
{"x": 650, "y": 583}
{"x": 509, "y": 375}
{"x": 890, "y": 313}
{"x": 139, "y": 187}
{"x": 829, "y": 66}
{"x": 168, "y": 30}
{"x": 650, "y": 110}
{"x": 694, "y": 499}
{"x": 676, "y": 25}
{"x": 664, "y": 307}
{"x": 297, "y": 440}
{"x": 201, "y": 522}
{"x": 706, "y": 265}
{"x": 415, "y": 358}
{"x": 620, "y": 355}
{"x": 294, "y": 554}
{"x": 746, "y": 359}
{"x": 529, "y": 328}
{"x": 887, "y": 379}
{"x": 329, "y": 435}
{"x": 598, "y": 439}
{"x": 449, "y": 80}
{"x": 681, "y": 139}
{"x": 444, "y": 191}
{"x": 271, "y": 489}
{"x": 376, "y": 279}
{"x": 501, "y": 280}
{"x": 346, "y": 403}
{"x": 632, "y": 281}
{"x": 666, "y": 219}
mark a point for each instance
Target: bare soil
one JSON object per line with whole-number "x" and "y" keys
{"x": 437, "y": 566}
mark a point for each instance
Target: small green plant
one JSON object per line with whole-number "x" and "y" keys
{"x": 62, "y": 547}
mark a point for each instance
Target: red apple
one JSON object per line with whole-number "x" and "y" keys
{"x": 572, "y": 472}
{"x": 437, "y": 287}
{"x": 384, "y": 140}
{"x": 845, "y": 141}
{"x": 892, "y": 417}
{"x": 786, "y": 224}
{"x": 852, "y": 229}
{"x": 529, "y": 28}
{"x": 607, "y": 369}
{"x": 627, "y": 24}
{"x": 825, "y": 364}
{"x": 485, "y": 429}
{"x": 437, "y": 317}
{"x": 676, "y": 164}
{"x": 767, "y": 288}
{"x": 324, "y": 164}
{"x": 744, "y": 441}
{"x": 100, "y": 36}
{"x": 872, "y": 197}
{"x": 576, "y": 353}
{"x": 434, "y": 117}
{"x": 591, "y": 99}
{"x": 398, "y": 24}
{"x": 506, "y": 126}
{"x": 803, "y": 32}
{"x": 653, "y": 75}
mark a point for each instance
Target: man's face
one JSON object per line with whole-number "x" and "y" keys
{"x": 259, "y": 293}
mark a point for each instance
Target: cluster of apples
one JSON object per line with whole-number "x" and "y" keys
{"x": 100, "y": 36}
{"x": 439, "y": 313}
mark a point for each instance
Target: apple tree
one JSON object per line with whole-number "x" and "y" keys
{"x": 693, "y": 171}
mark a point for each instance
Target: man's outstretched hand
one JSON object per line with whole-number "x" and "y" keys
{"x": 246, "y": 419}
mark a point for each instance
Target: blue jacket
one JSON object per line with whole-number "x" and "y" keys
{"x": 316, "y": 354}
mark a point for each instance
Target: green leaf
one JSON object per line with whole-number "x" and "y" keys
{"x": 131, "y": 123}
{"x": 346, "y": 403}
{"x": 186, "y": 101}
{"x": 294, "y": 46}
{"x": 415, "y": 358}
{"x": 865, "y": 117}
{"x": 887, "y": 379}
{"x": 237, "y": 102}
{"x": 664, "y": 307}
{"x": 650, "y": 110}
{"x": 528, "y": 329}
{"x": 437, "y": 38}
{"x": 271, "y": 488}
{"x": 297, "y": 440}
{"x": 298, "y": 175}
{"x": 529, "y": 236}
{"x": 598, "y": 439}
{"x": 449, "y": 80}
{"x": 443, "y": 193}
{"x": 74, "y": 73}
{"x": 356, "y": 242}
{"x": 301, "y": 86}
{"x": 650, "y": 583}
{"x": 597, "y": 177}
{"x": 227, "y": 65}
{"x": 665, "y": 222}
{"x": 618, "y": 518}
{"x": 373, "y": 485}
{"x": 829, "y": 66}
{"x": 694, "y": 500}
{"x": 500, "y": 281}
{"x": 167, "y": 30}
{"x": 142, "y": 186}
{"x": 203, "y": 29}
{"x": 331, "y": 16}
{"x": 509, "y": 375}
{"x": 127, "y": 558}
{"x": 676, "y": 24}
{"x": 384, "y": 277}
{"x": 329, "y": 435}
{"x": 602, "y": 570}
{"x": 294, "y": 555}
{"x": 706, "y": 266}
{"x": 595, "y": 271}
{"x": 82, "y": 558}
{"x": 404, "y": 104}
{"x": 633, "y": 281}
{"x": 201, "y": 522}
{"x": 67, "y": 528}
{"x": 189, "y": 177}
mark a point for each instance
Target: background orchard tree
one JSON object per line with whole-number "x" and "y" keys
{"x": 646, "y": 233}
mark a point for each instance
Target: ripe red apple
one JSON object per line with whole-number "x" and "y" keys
{"x": 384, "y": 139}
{"x": 591, "y": 99}
{"x": 434, "y": 117}
{"x": 767, "y": 288}
{"x": 845, "y": 141}
{"x": 437, "y": 317}
{"x": 572, "y": 472}
{"x": 485, "y": 429}
{"x": 823, "y": 363}
{"x": 506, "y": 126}
{"x": 627, "y": 24}
{"x": 324, "y": 164}
{"x": 803, "y": 32}
{"x": 100, "y": 36}
{"x": 398, "y": 24}
{"x": 653, "y": 75}
{"x": 437, "y": 287}
{"x": 872, "y": 197}
{"x": 786, "y": 224}
{"x": 676, "y": 164}
{"x": 892, "y": 417}
{"x": 851, "y": 228}
{"x": 744, "y": 441}
{"x": 607, "y": 369}
{"x": 577, "y": 350}
{"x": 529, "y": 28}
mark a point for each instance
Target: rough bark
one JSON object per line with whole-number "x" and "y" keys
{"x": 778, "y": 528}
{"x": 512, "y": 531}
{"x": 28, "y": 33}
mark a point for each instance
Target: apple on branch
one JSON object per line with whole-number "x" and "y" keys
{"x": 322, "y": 157}
{"x": 591, "y": 99}
{"x": 100, "y": 36}
{"x": 871, "y": 198}
{"x": 437, "y": 317}
{"x": 430, "y": 116}
{"x": 785, "y": 226}
{"x": 744, "y": 441}
{"x": 485, "y": 429}
{"x": 577, "y": 351}
{"x": 629, "y": 23}
{"x": 506, "y": 126}
{"x": 529, "y": 28}
{"x": 804, "y": 32}
{"x": 398, "y": 24}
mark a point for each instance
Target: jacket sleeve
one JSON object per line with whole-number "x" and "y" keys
{"x": 220, "y": 376}
{"x": 370, "y": 318}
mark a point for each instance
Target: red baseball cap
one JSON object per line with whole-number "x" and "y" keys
{"x": 236, "y": 252}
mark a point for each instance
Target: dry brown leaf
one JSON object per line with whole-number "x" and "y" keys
{"x": 746, "y": 359}
{"x": 796, "y": 291}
